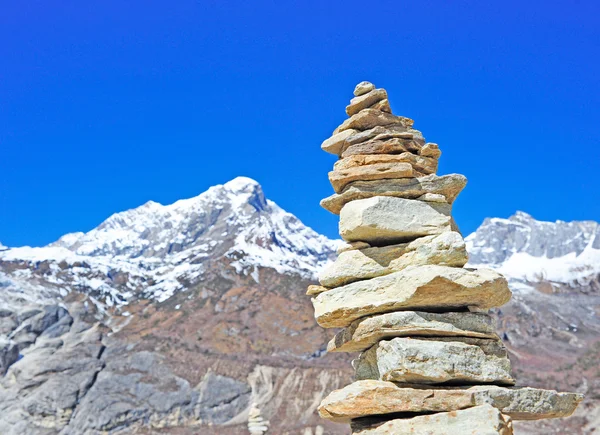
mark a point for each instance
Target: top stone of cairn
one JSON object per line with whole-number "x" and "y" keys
{"x": 362, "y": 88}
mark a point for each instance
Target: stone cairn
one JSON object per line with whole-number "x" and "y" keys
{"x": 430, "y": 361}
{"x": 257, "y": 425}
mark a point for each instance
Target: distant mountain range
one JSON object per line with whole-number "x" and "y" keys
{"x": 181, "y": 316}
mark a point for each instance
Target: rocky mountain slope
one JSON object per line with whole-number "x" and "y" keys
{"x": 551, "y": 326}
{"x": 176, "y": 319}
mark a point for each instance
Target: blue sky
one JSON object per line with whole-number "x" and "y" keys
{"x": 106, "y": 105}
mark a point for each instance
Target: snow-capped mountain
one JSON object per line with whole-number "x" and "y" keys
{"x": 154, "y": 249}
{"x": 523, "y": 248}
{"x": 209, "y": 291}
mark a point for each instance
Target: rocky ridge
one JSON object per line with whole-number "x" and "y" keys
{"x": 417, "y": 349}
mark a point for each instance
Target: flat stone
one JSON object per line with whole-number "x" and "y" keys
{"x": 386, "y": 220}
{"x": 365, "y": 101}
{"x": 439, "y": 360}
{"x": 479, "y": 420}
{"x": 409, "y": 188}
{"x": 335, "y": 143}
{"x": 363, "y": 398}
{"x": 416, "y": 288}
{"x": 392, "y": 131}
{"x": 339, "y": 178}
{"x": 446, "y": 249}
{"x": 363, "y": 88}
{"x": 424, "y": 165}
{"x": 394, "y": 145}
{"x": 369, "y": 118}
{"x": 364, "y": 333}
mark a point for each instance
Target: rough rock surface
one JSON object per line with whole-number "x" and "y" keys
{"x": 431, "y": 150}
{"x": 414, "y": 288}
{"x": 384, "y": 144}
{"x": 409, "y": 188}
{"x": 369, "y": 118}
{"x": 480, "y": 420}
{"x": 335, "y": 143}
{"x": 339, "y": 178}
{"x": 384, "y": 219}
{"x": 388, "y": 132}
{"x": 365, "y": 332}
{"x": 446, "y": 249}
{"x": 436, "y": 361}
{"x": 364, "y": 398}
{"x": 423, "y": 165}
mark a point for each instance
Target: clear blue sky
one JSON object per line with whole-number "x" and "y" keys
{"x": 107, "y": 104}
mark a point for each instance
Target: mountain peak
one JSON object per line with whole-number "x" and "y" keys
{"x": 521, "y": 216}
{"x": 241, "y": 184}
{"x": 524, "y": 247}
{"x": 169, "y": 244}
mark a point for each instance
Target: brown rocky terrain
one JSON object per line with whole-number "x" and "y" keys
{"x": 233, "y": 336}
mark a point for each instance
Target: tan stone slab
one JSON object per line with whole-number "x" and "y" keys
{"x": 369, "y": 118}
{"x": 365, "y": 101}
{"x": 367, "y": 331}
{"x": 391, "y": 131}
{"x": 416, "y": 288}
{"x": 446, "y": 249}
{"x": 340, "y": 178}
{"x": 479, "y": 420}
{"x": 409, "y": 188}
{"x": 372, "y": 397}
{"x": 439, "y": 360}
{"x": 424, "y": 165}
{"x": 383, "y": 220}
{"x": 381, "y": 145}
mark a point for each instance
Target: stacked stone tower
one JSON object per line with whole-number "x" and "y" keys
{"x": 430, "y": 361}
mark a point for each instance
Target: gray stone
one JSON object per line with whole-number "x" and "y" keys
{"x": 409, "y": 188}
{"x": 221, "y": 398}
{"x": 363, "y": 398}
{"x": 385, "y": 220}
{"x": 437, "y": 360}
{"x": 9, "y": 354}
{"x": 367, "y": 331}
{"x": 362, "y": 88}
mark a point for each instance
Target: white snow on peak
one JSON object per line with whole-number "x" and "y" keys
{"x": 523, "y": 248}
{"x": 160, "y": 246}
